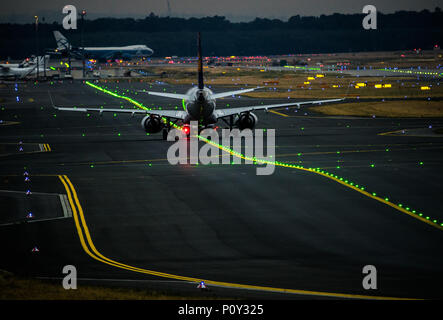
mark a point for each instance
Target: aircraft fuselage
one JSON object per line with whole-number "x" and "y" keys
{"x": 200, "y": 106}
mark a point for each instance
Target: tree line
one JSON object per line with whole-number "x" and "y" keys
{"x": 337, "y": 32}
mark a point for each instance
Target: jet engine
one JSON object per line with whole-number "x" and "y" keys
{"x": 152, "y": 123}
{"x": 246, "y": 120}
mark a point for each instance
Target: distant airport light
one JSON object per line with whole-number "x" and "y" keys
{"x": 320, "y": 75}
{"x": 425, "y": 88}
{"x": 311, "y": 78}
{"x": 306, "y": 82}
{"x": 361, "y": 84}
{"x": 202, "y": 285}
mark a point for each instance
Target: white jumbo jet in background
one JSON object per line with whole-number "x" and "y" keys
{"x": 200, "y": 103}
{"x": 100, "y": 53}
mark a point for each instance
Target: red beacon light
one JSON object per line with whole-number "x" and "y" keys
{"x": 186, "y": 130}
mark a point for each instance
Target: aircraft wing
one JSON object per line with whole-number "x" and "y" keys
{"x": 221, "y": 113}
{"x": 166, "y": 94}
{"x": 163, "y": 113}
{"x": 230, "y": 93}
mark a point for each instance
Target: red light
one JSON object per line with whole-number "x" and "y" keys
{"x": 186, "y": 130}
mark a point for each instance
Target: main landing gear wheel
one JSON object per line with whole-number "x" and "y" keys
{"x": 165, "y": 134}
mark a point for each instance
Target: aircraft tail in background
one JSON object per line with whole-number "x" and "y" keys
{"x": 62, "y": 42}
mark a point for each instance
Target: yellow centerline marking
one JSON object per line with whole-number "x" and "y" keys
{"x": 8, "y": 123}
{"x": 403, "y": 133}
{"x": 279, "y": 113}
{"x": 389, "y": 132}
{"x": 83, "y": 232}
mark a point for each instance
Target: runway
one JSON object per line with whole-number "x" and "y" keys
{"x": 148, "y": 224}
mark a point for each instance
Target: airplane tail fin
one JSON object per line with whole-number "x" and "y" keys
{"x": 62, "y": 42}
{"x": 200, "y": 63}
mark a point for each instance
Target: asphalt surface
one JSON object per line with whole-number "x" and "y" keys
{"x": 289, "y": 230}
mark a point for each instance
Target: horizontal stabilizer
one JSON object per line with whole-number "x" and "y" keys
{"x": 166, "y": 94}
{"x": 230, "y": 93}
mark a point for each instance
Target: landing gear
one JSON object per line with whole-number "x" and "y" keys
{"x": 165, "y": 133}
{"x": 230, "y": 123}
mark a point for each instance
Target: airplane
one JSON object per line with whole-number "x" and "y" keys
{"x": 22, "y": 70}
{"x": 200, "y": 105}
{"x": 25, "y": 63}
{"x": 100, "y": 53}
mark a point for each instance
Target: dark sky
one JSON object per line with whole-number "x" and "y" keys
{"x": 235, "y": 10}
